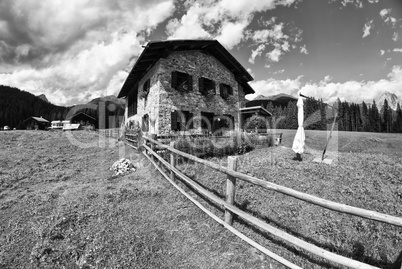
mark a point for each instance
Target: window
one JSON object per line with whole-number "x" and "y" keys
{"x": 145, "y": 89}
{"x": 182, "y": 82}
{"x": 145, "y": 123}
{"x": 228, "y": 121}
{"x": 206, "y": 86}
{"x": 181, "y": 120}
{"x": 132, "y": 102}
{"x": 207, "y": 120}
{"x": 225, "y": 90}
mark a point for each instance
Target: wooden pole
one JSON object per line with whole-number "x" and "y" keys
{"x": 230, "y": 188}
{"x": 172, "y": 161}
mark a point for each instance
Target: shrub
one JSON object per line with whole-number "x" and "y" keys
{"x": 207, "y": 147}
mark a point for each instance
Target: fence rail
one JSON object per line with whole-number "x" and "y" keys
{"x": 230, "y": 209}
{"x": 113, "y": 132}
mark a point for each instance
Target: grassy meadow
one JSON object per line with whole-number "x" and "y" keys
{"x": 61, "y": 206}
{"x": 366, "y": 172}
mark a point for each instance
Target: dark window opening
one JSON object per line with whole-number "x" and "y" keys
{"x": 207, "y": 120}
{"x": 181, "y": 120}
{"x": 182, "y": 82}
{"x": 145, "y": 89}
{"x": 206, "y": 86}
{"x": 225, "y": 90}
{"x": 132, "y": 102}
{"x": 145, "y": 123}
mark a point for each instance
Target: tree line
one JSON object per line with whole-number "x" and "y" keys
{"x": 16, "y": 106}
{"x": 350, "y": 116}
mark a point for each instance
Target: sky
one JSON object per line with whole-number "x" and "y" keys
{"x": 77, "y": 50}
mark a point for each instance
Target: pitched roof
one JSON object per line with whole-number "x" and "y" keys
{"x": 155, "y": 50}
{"x": 255, "y": 109}
{"x": 40, "y": 119}
{"x": 86, "y": 115}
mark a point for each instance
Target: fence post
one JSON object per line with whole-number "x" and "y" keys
{"x": 230, "y": 188}
{"x": 139, "y": 140}
{"x": 153, "y": 149}
{"x": 172, "y": 161}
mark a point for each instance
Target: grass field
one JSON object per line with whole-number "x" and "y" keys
{"x": 61, "y": 206}
{"x": 366, "y": 172}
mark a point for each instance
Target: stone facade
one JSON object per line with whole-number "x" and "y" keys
{"x": 162, "y": 99}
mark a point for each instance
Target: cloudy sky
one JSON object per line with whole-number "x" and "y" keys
{"x": 77, "y": 50}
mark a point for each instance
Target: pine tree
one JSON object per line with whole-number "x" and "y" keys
{"x": 398, "y": 120}
{"x": 365, "y": 118}
{"x": 375, "y": 120}
{"x": 386, "y": 117}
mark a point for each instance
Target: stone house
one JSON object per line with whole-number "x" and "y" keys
{"x": 191, "y": 86}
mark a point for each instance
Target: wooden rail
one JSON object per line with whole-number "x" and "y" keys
{"x": 113, "y": 132}
{"x": 342, "y": 208}
{"x": 230, "y": 209}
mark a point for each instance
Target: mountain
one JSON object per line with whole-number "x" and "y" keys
{"x": 109, "y": 98}
{"x": 107, "y": 110}
{"x": 392, "y": 99}
{"x": 43, "y": 97}
{"x": 281, "y": 99}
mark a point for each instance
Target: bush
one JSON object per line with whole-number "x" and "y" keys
{"x": 207, "y": 147}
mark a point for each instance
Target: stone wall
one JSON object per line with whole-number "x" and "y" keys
{"x": 163, "y": 99}
{"x": 197, "y": 64}
{"x": 149, "y": 105}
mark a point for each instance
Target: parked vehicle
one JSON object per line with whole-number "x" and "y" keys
{"x": 6, "y": 128}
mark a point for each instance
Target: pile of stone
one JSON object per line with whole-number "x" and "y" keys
{"x": 122, "y": 166}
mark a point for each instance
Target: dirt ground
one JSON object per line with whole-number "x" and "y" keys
{"x": 61, "y": 207}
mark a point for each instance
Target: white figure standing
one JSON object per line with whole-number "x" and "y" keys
{"x": 298, "y": 142}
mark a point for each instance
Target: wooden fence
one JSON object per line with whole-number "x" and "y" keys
{"x": 113, "y": 132}
{"x": 148, "y": 147}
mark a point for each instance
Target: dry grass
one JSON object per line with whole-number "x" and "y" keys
{"x": 371, "y": 179}
{"x": 61, "y": 207}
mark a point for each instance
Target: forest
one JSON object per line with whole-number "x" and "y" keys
{"x": 16, "y": 106}
{"x": 350, "y": 117}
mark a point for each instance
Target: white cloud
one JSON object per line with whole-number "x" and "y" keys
{"x": 327, "y": 78}
{"x": 356, "y": 3}
{"x": 397, "y": 50}
{"x": 276, "y": 33}
{"x": 352, "y": 91}
{"x": 88, "y": 75}
{"x": 388, "y": 19}
{"x": 303, "y": 49}
{"x": 279, "y": 72}
{"x": 232, "y": 33}
{"x": 385, "y": 12}
{"x": 275, "y": 54}
{"x": 225, "y": 20}
{"x": 367, "y": 28}
{"x": 395, "y": 36}
{"x": 373, "y": 1}
{"x": 255, "y": 53}
{"x": 272, "y": 86}
{"x": 188, "y": 26}
{"x": 382, "y": 52}
{"x": 79, "y": 53}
